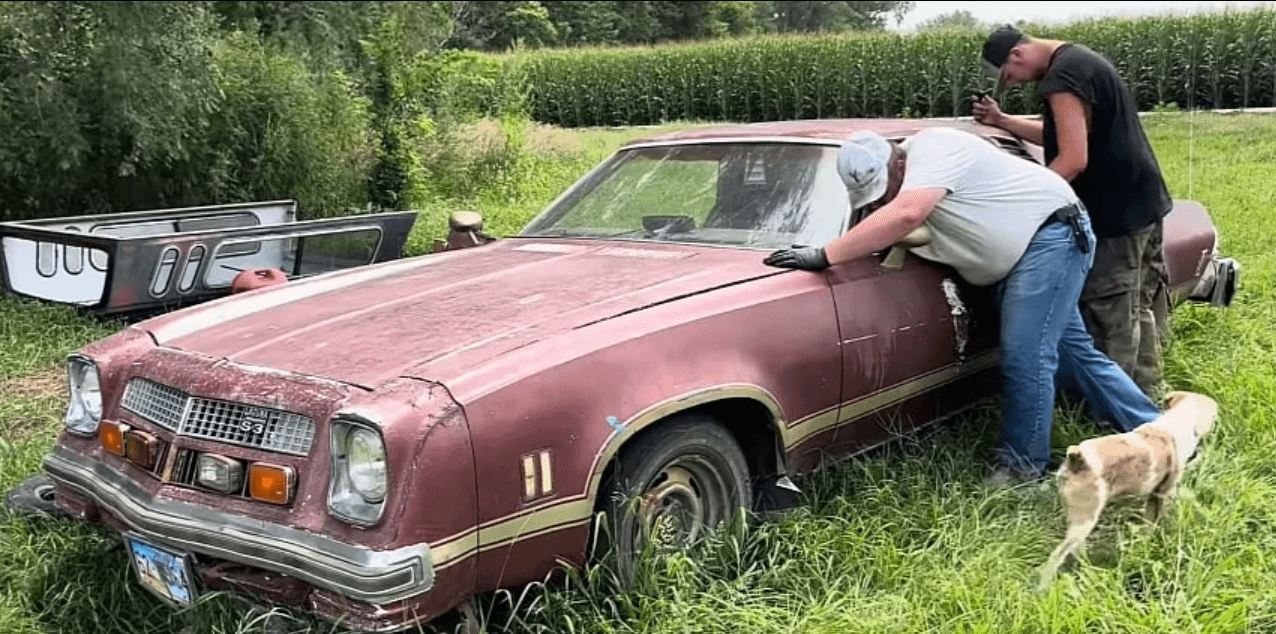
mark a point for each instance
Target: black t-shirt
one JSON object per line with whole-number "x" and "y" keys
{"x": 1121, "y": 185}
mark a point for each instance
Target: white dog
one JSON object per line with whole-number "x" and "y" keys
{"x": 1146, "y": 462}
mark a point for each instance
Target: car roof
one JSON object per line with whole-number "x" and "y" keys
{"x": 832, "y": 131}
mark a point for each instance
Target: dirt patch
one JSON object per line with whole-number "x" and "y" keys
{"x": 47, "y": 384}
{"x": 32, "y": 404}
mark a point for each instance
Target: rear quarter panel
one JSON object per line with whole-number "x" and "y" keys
{"x": 1189, "y": 240}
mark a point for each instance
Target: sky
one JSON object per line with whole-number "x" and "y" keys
{"x": 1057, "y": 12}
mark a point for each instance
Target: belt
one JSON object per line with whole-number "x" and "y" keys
{"x": 1071, "y": 215}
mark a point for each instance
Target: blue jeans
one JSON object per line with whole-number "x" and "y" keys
{"x": 1042, "y": 335}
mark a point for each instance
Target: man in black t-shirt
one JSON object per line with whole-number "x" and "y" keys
{"x": 1092, "y": 136}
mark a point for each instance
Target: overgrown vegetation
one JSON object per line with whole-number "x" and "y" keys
{"x": 498, "y": 25}
{"x": 344, "y": 106}
{"x": 1222, "y": 60}
{"x": 902, "y": 540}
{"x": 115, "y": 106}
{"x": 350, "y": 107}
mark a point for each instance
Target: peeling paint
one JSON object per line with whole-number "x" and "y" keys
{"x": 961, "y": 317}
{"x": 615, "y": 424}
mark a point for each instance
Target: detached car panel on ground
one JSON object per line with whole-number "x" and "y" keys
{"x": 141, "y": 262}
{"x": 376, "y": 445}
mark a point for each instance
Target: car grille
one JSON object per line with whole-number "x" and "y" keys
{"x": 223, "y": 421}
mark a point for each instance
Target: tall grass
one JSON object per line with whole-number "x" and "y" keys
{"x": 900, "y": 540}
{"x": 1223, "y": 60}
{"x": 905, "y": 540}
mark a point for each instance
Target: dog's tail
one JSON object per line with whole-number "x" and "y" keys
{"x": 1075, "y": 462}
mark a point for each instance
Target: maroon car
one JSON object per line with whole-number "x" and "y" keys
{"x": 378, "y": 444}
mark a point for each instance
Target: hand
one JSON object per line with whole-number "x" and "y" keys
{"x": 985, "y": 111}
{"x": 798, "y": 257}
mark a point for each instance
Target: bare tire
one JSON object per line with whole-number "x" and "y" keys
{"x": 669, "y": 487}
{"x": 33, "y": 496}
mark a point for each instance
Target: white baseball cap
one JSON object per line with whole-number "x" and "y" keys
{"x": 863, "y": 165}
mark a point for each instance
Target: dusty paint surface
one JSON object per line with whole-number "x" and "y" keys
{"x": 446, "y": 314}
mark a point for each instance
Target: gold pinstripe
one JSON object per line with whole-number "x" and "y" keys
{"x": 574, "y": 510}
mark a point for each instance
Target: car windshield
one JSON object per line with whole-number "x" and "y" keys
{"x": 757, "y": 195}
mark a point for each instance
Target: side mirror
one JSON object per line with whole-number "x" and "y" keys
{"x": 465, "y": 221}
{"x": 915, "y": 238}
{"x": 465, "y": 229}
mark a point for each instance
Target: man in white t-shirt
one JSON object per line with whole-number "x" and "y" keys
{"x": 1003, "y": 221}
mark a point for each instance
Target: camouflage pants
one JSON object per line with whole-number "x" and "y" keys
{"x": 1125, "y": 305}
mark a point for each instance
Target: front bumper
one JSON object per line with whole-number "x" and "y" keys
{"x": 374, "y": 577}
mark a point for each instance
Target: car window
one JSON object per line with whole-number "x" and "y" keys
{"x": 760, "y": 195}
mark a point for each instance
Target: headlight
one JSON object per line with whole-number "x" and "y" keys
{"x": 84, "y": 409}
{"x": 359, "y": 473}
{"x": 365, "y": 463}
{"x": 219, "y": 473}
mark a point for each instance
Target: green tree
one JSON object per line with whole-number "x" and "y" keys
{"x": 805, "y": 17}
{"x": 496, "y": 26}
{"x": 652, "y": 22}
{"x": 101, "y": 102}
{"x": 705, "y": 20}
{"x": 954, "y": 20}
{"x": 406, "y": 34}
{"x": 581, "y": 22}
{"x": 739, "y": 18}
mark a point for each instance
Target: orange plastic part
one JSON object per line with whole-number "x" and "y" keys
{"x": 270, "y": 483}
{"x": 252, "y": 279}
{"x": 112, "y": 437}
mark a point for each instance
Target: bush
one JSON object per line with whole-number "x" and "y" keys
{"x": 117, "y": 106}
{"x": 100, "y": 107}
{"x": 283, "y": 131}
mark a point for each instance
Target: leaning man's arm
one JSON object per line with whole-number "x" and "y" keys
{"x": 886, "y": 226}
{"x": 1071, "y": 114}
{"x": 1028, "y": 129}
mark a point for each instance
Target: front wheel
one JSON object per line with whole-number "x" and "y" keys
{"x": 670, "y": 486}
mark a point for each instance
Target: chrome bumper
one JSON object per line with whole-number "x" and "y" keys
{"x": 365, "y": 575}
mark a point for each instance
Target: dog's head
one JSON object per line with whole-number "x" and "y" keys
{"x": 1189, "y": 409}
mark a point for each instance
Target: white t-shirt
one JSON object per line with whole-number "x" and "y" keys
{"x": 996, "y": 201}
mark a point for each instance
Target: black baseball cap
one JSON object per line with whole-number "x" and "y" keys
{"x": 1000, "y": 41}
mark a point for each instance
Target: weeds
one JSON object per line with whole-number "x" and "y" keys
{"x": 903, "y": 539}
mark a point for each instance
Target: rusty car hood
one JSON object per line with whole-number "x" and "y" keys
{"x": 437, "y": 316}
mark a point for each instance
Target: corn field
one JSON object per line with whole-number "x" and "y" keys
{"x": 1222, "y": 60}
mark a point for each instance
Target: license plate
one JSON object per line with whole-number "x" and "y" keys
{"x": 164, "y": 572}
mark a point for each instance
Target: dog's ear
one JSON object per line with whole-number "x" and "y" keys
{"x": 1075, "y": 462}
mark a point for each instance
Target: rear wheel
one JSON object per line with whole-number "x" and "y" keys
{"x": 669, "y": 487}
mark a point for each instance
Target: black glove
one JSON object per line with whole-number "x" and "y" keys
{"x": 798, "y": 257}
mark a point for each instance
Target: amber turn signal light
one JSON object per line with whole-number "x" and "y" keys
{"x": 270, "y": 483}
{"x": 142, "y": 448}
{"x": 112, "y": 436}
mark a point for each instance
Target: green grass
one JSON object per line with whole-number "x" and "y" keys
{"x": 903, "y": 539}
{"x": 549, "y": 161}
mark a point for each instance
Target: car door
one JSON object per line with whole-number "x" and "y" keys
{"x": 913, "y": 336}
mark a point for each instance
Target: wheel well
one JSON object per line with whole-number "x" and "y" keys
{"x": 753, "y": 428}
{"x": 750, "y": 424}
